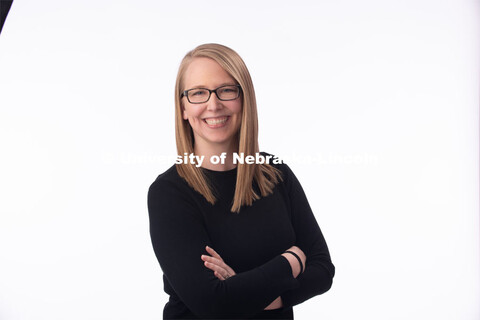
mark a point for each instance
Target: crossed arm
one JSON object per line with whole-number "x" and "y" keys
{"x": 174, "y": 219}
{"x": 223, "y": 271}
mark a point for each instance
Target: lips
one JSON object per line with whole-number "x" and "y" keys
{"x": 216, "y": 120}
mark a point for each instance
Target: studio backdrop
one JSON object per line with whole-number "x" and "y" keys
{"x": 373, "y": 104}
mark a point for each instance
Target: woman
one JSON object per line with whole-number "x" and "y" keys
{"x": 233, "y": 240}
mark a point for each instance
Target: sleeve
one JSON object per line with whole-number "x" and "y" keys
{"x": 319, "y": 270}
{"x": 179, "y": 238}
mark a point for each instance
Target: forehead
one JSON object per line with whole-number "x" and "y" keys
{"x": 206, "y": 72}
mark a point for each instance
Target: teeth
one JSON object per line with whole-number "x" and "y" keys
{"x": 216, "y": 121}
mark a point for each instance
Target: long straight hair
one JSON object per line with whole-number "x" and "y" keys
{"x": 265, "y": 175}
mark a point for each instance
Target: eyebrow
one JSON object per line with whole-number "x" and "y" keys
{"x": 205, "y": 87}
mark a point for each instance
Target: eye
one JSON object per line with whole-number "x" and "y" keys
{"x": 197, "y": 93}
{"x": 228, "y": 90}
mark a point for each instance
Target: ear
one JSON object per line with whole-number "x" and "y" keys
{"x": 184, "y": 113}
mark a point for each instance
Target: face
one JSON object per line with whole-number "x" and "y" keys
{"x": 215, "y": 123}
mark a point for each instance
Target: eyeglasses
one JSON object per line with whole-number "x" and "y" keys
{"x": 202, "y": 95}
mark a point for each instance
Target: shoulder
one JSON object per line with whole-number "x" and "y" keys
{"x": 168, "y": 185}
{"x": 276, "y": 162}
{"x": 167, "y": 179}
{"x": 169, "y": 193}
{"x": 168, "y": 175}
{"x": 288, "y": 178}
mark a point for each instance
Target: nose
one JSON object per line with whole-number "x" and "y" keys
{"x": 214, "y": 103}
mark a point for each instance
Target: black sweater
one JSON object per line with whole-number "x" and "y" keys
{"x": 251, "y": 242}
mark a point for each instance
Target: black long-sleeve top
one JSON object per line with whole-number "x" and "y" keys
{"x": 183, "y": 223}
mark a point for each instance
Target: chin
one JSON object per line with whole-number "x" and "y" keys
{"x": 219, "y": 139}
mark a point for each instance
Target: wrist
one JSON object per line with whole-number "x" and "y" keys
{"x": 276, "y": 304}
{"x": 294, "y": 265}
{"x": 302, "y": 268}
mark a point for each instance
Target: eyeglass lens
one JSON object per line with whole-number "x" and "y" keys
{"x": 224, "y": 93}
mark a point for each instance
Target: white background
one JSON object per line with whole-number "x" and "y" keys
{"x": 383, "y": 94}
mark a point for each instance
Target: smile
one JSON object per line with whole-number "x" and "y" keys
{"x": 216, "y": 121}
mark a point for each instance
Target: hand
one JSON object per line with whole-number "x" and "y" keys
{"x": 215, "y": 263}
{"x": 276, "y": 304}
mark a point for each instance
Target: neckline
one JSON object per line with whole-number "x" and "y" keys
{"x": 226, "y": 172}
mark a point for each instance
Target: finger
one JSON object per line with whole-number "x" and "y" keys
{"x": 221, "y": 271}
{"x": 219, "y": 263}
{"x": 213, "y": 260}
{"x": 213, "y": 253}
{"x": 214, "y": 267}
{"x": 219, "y": 276}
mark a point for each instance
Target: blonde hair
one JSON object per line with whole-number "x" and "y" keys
{"x": 265, "y": 175}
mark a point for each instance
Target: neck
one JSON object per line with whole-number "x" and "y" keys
{"x": 216, "y": 150}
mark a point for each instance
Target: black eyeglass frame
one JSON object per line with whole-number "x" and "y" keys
{"x": 185, "y": 93}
